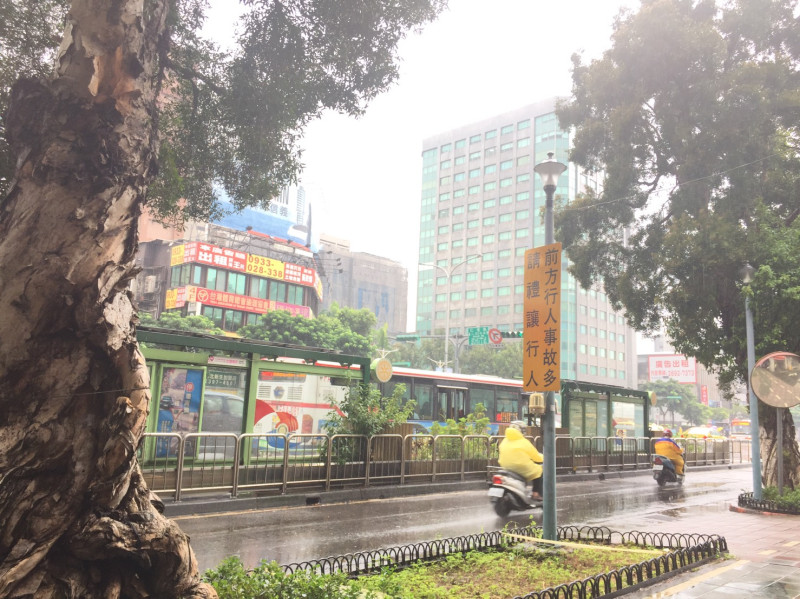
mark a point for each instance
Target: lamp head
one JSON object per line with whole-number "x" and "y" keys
{"x": 746, "y": 273}
{"x": 550, "y": 170}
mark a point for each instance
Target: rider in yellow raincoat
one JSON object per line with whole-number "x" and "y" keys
{"x": 519, "y": 455}
{"x": 668, "y": 448}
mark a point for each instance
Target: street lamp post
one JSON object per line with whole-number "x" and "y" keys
{"x": 549, "y": 171}
{"x": 448, "y": 272}
{"x": 746, "y": 273}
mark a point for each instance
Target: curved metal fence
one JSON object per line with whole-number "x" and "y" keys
{"x": 682, "y": 552}
{"x": 174, "y": 464}
{"x": 748, "y": 500}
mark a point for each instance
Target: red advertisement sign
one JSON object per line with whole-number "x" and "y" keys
{"x": 221, "y": 299}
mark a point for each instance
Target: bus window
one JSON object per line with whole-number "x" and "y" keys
{"x": 484, "y": 396}
{"x": 450, "y": 403}
{"x": 424, "y": 396}
{"x": 507, "y": 407}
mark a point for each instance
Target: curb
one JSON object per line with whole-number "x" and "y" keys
{"x": 201, "y": 505}
{"x": 747, "y": 510}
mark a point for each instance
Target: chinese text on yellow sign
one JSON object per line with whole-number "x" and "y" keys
{"x": 541, "y": 363}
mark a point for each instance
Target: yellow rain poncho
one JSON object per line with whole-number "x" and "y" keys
{"x": 519, "y": 455}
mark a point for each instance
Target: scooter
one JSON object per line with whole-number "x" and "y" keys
{"x": 664, "y": 471}
{"x": 509, "y": 491}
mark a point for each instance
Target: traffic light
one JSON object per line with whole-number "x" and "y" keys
{"x": 512, "y": 334}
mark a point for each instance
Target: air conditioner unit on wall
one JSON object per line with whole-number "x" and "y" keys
{"x": 150, "y": 284}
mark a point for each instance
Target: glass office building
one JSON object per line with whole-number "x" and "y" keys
{"x": 482, "y": 207}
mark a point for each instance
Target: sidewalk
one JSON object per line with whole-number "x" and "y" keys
{"x": 764, "y": 554}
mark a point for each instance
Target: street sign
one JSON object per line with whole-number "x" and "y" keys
{"x": 541, "y": 342}
{"x": 495, "y": 336}
{"x": 478, "y": 335}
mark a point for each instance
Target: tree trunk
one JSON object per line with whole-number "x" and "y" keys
{"x": 78, "y": 520}
{"x": 768, "y": 437}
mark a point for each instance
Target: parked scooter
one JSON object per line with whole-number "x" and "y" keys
{"x": 664, "y": 471}
{"x": 509, "y": 491}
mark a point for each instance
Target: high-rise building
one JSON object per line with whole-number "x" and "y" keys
{"x": 482, "y": 207}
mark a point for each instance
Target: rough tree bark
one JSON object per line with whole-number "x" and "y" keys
{"x": 77, "y": 518}
{"x": 768, "y": 442}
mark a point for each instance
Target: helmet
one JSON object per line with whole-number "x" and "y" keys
{"x": 518, "y": 425}
{"x": 668, "y": 433}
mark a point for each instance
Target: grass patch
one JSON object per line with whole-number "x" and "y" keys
{"x": 495, "y": 573}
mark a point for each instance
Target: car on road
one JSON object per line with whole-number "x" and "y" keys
{"x": 702, "y": 432}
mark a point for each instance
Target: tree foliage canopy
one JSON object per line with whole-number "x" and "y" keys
{"x": 233, "y": 119}
{"x": 693, "y": 116}
{"x": 345, "y": 330}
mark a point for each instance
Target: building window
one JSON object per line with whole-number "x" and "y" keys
{"x": 488, "y": 221}
{"x": 458, "y": 193}
{"x": 487, "y": 239}
{"x": 582, "y": 348}
{"x": 474, "y": 156}
{"x": 295, "y": 295}
{"x": 523, "y": 178}
{"x": 472, "y": 241}
{"x": 490, "y": 134}
{"x": 237, "y": 282}
{"x": 593, "y": 370}
{"x": 506, "y": 164}
{"x": 504, "y": 200}
{"x": 503, "y": 254}
{"x": 503, "y": 291}
{"x": 461, "y": 143}
{"x": 503, "y": 272}
{"x": 443, "y": 230}
{"x": 523, "y": 196}
{"x": 489, "y": 203}
{"x": 523, "y": 214}
{"x": 522, "y": 233}
{"x": 505, "y": 218}
{"x": 459, "y": 160}
{"x": 455, "y": 296}
{"x": 445, "y": 148}
{"x": 475, "y": 139}
{"x": 474, "y": 189}
{"x": 490, "y": 186}
{"x": 458, "y": 227}
{"x": 487, "y": 274}
{"x": 524, "y": 142}
{"x": 468, "y": 312}
{"x": 523, "y": 124}
{"x": 444, "y": 213}
{"x": 507, "y": 129}
{"x": 472, "y": 276}
{"x": 507, "y": 182}
{"x": 475, "y": 172}
{"x": 507, "y": 146}
{"x": 440, "y": 247}
{"x": 489, "y": 152}
{"x": 473, "y": 206}
{"x": 489, "y": 292}
{"x": 488, "y": 256}
{"x": 489, "y": 169}
{"x": 593, "y": 331}
{"x": 444, "y": 181}
{"x": 458, "y": 177}
{"x": 504, "y": 236}
{"x": 523, "y": 160}
{"x": 441, "y": 297}
{"x": 471, "y": 224}
{"x": 471, "y": 294}
{"x": 444, "y": 164}
{"x": 487, "y": 311}
{"x": 458, "y": 210}
{"x": 457, "y": 243}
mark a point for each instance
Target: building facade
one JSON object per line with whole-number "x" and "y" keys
{"x": 482, "y": 207}
{"x": 360, "y": 280}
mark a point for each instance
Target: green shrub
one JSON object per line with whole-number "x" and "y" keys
{"x": 268, "y": 581}
{"x": 789, "y": 500}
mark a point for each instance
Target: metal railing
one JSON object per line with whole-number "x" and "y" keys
{"x": 174, "y": 464}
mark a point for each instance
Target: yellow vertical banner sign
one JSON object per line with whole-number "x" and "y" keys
{"x": 541, "y": 340}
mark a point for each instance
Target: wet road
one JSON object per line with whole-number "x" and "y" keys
{"x": 296, "y": 534}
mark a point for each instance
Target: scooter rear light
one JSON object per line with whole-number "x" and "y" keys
{"x": 658, "y": 461}
{"x": 497, "y": 480}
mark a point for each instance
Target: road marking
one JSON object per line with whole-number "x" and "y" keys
{"x": 697, "y": 579}
{"x": 791, "y": 543}
{"x": 767, "y": 552}
{"x": 538, "y": 541}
